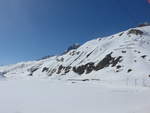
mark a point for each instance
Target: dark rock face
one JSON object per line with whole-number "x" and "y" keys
{"x": 123, "y": 51}
{"x": 118, "y": 67}
{"x": 121, "y": 34}
{"x": 74, "y": 53}
{"x": 2, "y": 74}
{"x": 32, "y": 70}
{"x": 80, "y": 70}
{"x": 135, "y": 31}
{"x": 63, "y": 68}
{"x": 60, "y": 59}
{"x": 45, "y": 69}
{"x": 104, "y": 63}
{"x": 129, "y": 70}
{"x": 116, "y": 60}
{"x": 90, "y": 53}
{"x": 60, "y": 69}
{"x": 145, "y": 24}
{"x": 51, "y": 72}
{"x": 89, "y": 67}
{"x": 74, "y": 46}
{"x": 144, "y": 56}
{"x": 108, "y": 60}
{"x": 67, "y": 69}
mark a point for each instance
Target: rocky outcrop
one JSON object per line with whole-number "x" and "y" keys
{"x": 89, "y": 67}
{"x": 145, "y": 24}
{"x": 135, "y": 31}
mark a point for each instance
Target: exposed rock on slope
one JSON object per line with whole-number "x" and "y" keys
{"x": 125, "y": 54}
{"x": 145, "y": 24}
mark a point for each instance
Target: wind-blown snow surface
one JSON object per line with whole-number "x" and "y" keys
{"x": 47, "y": 96}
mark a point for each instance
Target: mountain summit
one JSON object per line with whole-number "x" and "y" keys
{"x": 120, "y": 56}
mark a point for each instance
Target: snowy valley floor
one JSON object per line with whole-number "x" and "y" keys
{"x": 47, "y": 96}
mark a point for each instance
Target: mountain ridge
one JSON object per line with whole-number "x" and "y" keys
{"x": 119, "y": 56}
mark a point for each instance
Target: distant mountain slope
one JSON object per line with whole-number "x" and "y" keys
{"x": 123, "y": 55}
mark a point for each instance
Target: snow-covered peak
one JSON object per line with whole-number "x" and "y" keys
{"x": 72, "y": 47}
{"x": 120, "y": 56}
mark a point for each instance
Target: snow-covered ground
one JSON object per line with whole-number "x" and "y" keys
{"x": 53, "y": 96}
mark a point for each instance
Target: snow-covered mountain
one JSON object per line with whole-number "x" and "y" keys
{"x": 124, "y": 55}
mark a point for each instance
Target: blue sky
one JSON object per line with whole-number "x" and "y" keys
{"x": 30, "y": 29}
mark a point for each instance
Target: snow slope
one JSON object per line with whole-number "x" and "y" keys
{"x": 105, "y": 75}
{"x": 123, "y": 57}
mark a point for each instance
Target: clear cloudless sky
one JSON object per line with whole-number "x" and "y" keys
{"x": 31, "y": 29}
